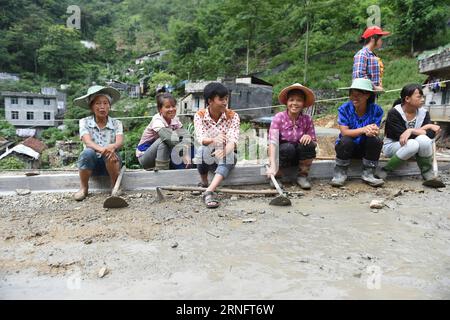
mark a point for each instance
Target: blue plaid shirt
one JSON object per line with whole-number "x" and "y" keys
{"x": 365, "y": 65}
{"x": 348, "y": 117}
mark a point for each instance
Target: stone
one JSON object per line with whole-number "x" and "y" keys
{"x": 23, "y": 192}
{"x": 248, "y": 220}
{"x": 103, "y": 272}
{"x": 233, "y": 198}
{"x": 174, "y": 245}
{"x": 376, "y": 204}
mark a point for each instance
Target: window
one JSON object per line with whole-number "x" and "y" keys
{"x": 30, "y": 115}
{"x": 14, "y": 115}
{"x": 46, "y": 102}
{"x": 29, "y": 100}
{"x": 46, "y": 115}
{"x": 14, "y": 100}
{"x": 197, "y": 103}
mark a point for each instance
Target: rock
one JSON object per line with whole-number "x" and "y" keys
{"x": 357, "y": 275}
{"x": 248, "y": 220}
{"x": 196, "y": 193}
{"x": 88, "y": 241}
{"x": 262, "y": 211}
{"x": 376, "y": 204}
{"x": 304, "y": 214}
{"x": 304, "y": 260}
{"x": 398, "y": 193}
{"x": 103, "y": 272}
{"x": 221, "y": 215}
{"x": 440, "y": 189}
{"x": 375, "y": 210}
{"x": 174, "y": 245}
{"x": 138, "y": 195}
{"x": 196, "y": 210}
{"x": 23, "y": 192}
{"x": 233, "y": 198}
{"x": 179, "y": 199}
{"x": 334, "y": 195}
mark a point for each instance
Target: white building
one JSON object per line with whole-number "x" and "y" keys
{"x": 24, "y": 109}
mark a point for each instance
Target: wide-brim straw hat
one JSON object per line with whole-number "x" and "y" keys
{"x": 83, "y": 101}
{"x": 309, "y": 94}
{"x": 360, "y": 84}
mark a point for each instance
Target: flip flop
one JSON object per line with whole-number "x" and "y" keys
{"x": 209, "y": 197}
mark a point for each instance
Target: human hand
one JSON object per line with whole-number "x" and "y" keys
{"x": 219, "y": 153}
{"x": 405, "y": 136}
{"x": 371, "y": 130}
{"x": 220, "y": 140}
{"x": 305, "y": 139}
{"x": 187, "y": 161}
{"x": 271, "y": 171}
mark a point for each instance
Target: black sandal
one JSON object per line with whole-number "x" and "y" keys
{"x": 210, "y": 199}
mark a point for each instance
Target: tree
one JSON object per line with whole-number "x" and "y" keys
{"x": 416, "y": 18}
{"x": 61, "y": 56}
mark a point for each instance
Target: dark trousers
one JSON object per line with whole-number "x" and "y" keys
{"x": 291, "y": 153}
{"x": 370, "y": 149}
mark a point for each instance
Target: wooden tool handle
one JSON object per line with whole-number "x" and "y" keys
{"x": 118, "y": 181}
{"x": 223, "y": 190}
{"x": 435, "y": 165}
{"x": 275, "y": 183}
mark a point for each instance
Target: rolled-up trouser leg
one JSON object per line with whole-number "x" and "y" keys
{"x": 87, "y": 159}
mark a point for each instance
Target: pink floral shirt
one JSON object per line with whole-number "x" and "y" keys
{"x": 283, "y": 129}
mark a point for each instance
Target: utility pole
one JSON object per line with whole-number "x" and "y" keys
{"x": 248, "y": 55}
{"x": 306, "y": 45}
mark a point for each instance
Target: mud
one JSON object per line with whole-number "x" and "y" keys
{"x": 328, "y": 245}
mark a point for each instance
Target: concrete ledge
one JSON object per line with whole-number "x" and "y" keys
{"x": 148, "y": 180}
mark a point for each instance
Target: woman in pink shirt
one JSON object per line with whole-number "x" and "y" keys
{"x": 292, "y": 136}
{"x": 162, "y": 135}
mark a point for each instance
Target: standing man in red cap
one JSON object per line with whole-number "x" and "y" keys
{"x": 366, "y": 64}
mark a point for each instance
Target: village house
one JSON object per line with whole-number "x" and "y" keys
{"x": 34, "y": 110}
{"x": 130, "y": 90}
{"x": 436, "y": 64}
{"x": 245, "y": 93}
{"x": 29, "y": 152}
{"x": 154, "y": 56}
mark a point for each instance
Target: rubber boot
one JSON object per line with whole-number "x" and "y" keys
{"x": 425, "y": 166}
{"x": 340, "y": 172}
{"x": 162, "y": 165}
{"x": 392, "y": 164}
{"x": 303, "y": 171}
{"x": 368, "y": 171}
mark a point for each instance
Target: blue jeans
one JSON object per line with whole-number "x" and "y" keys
{"x": 206, "y": 162}
{"x": 88, "y": 160}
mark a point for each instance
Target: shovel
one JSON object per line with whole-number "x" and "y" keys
{"x": 114, "y": 201}
{"x": 281, "y": 200}
{"x": 436, "y": 182}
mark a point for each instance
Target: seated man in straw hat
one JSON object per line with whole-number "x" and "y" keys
{"x": 102, "y": 136}
{"x": 292, "y": 136}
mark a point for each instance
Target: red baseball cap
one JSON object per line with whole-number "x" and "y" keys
{"x": 374, "y": 30}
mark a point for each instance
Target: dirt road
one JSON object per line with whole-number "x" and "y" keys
{"x": 328, "y": 245}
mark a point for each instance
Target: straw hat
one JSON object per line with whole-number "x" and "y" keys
{"x": 84, "y": 101}
{"x": 360, "y": 84}
{"x": 309, "y": 94}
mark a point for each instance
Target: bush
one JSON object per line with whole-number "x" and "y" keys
{"x": 10, "y": 163}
